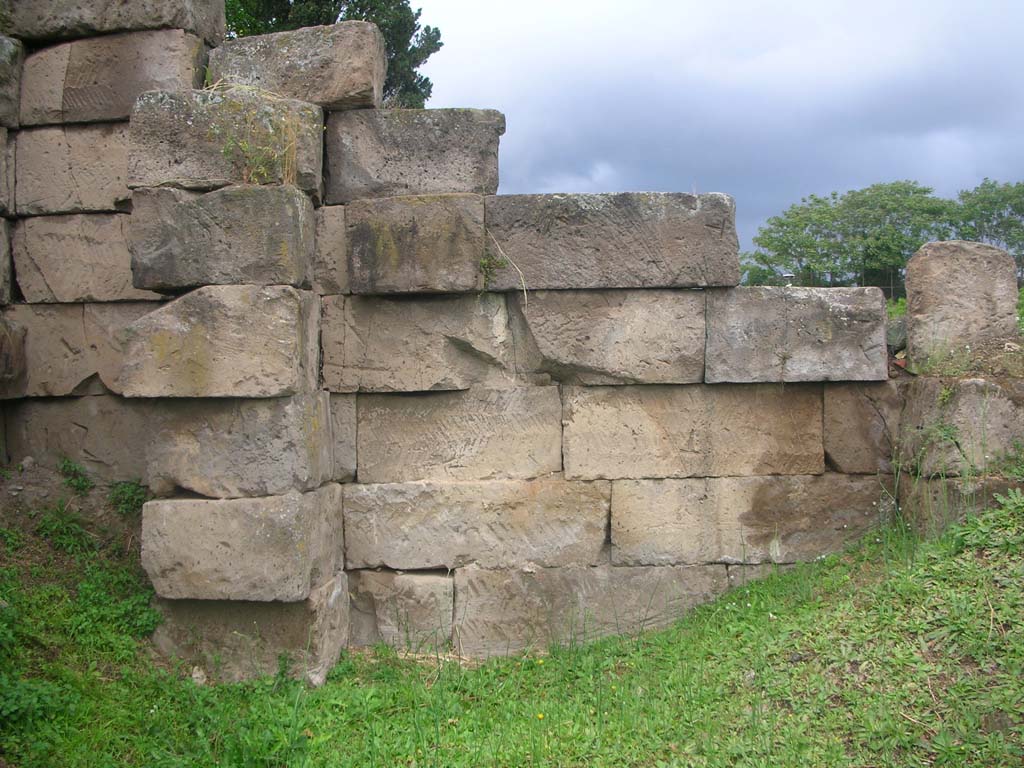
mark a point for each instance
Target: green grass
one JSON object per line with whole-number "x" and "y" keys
{"x": 75, "y": 476}
{"x": 896, "y": 308}
{"x": 898, "y": 653}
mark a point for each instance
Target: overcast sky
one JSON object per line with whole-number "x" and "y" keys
{"x": 767, "y": 101}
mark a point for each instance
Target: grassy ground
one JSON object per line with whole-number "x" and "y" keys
{"x": 895, "y": 654}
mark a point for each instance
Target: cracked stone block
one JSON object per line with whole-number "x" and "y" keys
{"x": 389, "y": 152}
{"x": 375, "y": 344}
{"x": 330, "y": 261}
{"x": 72, "y": 169}
{"x": 626, "y": 240}
{"x": 75, "y": 258}
{"x": 501, "y": 612}
{"x": 493, "y": 524}
{"x": 780, "y": 519}
{"x": 611, "y": 337}
{"x": 862, "y": 425}
{"x": 209, "y": 139}
{"x": 98, "y": 79}
{"x": 339, "y": 66}
{"x": 12, "y": 57}
{"x": 274, "y": 548}
{"x": 692, "y": 431}
{"x": 411, "y": 611}
{"x": 796, "y": 334}
{"x": 343, "y": 437}
{"x": 931, "y": 505}
{"x": 237, "y": 235}
{"x": 479, "y": 434}
{"x": 225, "y": 341}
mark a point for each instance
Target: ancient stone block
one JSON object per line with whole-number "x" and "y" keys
{"x": 411, "y": 611}
{"x": 480, "y": 434}
{"x": 688, "y": 431}
{"x": 412, "y": 345}
{"x": 740, "y": 575}
{"x": 225, "y": 341}
{"x": 494, "y": 524}
{"x": 796, "y": 334}
{"x": 236, "y": 235}
{"x": 231, "y": 448}
{"x": 506, "y": 611}
{"x": 13, "y": 364}
{"x": 862, "y": 425}
{"x": 611, "y": 337}
{"x": 742, "y": 519}
{"x": 628, "y": 240}
{"x": 931, "y": 505}
{"x": 343, "y": 436}
{"x": 210, "y": 139}
{"x": 341, "y": 66}
{"x": 12, "y": 57}
{"x": 330, "y": 263}
{"x": 983, "y": 306}
{"x": 72, "y": 169}
{"x": 416, "y": 244}
{"x": 74, "y": 258}
{"x": 235, "y": 640}
{"x": 388, "y": 152}
{"x": 270, "y": 548}
{"x": 99, "y": 78}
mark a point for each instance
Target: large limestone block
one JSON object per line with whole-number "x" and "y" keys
{"x": 796, "y": 334}
{"x": 343, "y": 437}
{"x": 499, "y": 612}
{"x": 271, "y": 548}
{"x": 862, "y": 425}
{"x": 692, "y": 431}
{"x": 494, "y": 524}
{"x": 627, "y": 240}
{"x": 480, "y": 434}
{"x": 742, "y": 519}
{"x": 99, "y": 78}
{"x": 236, "y": 235}
{"x": 41, "y": 20}
{"x": 388, "y": 152}
{"x": 341, "y": 66}
{"x": 375, "y": 344}
{"x": 416, "y": 244}
{"x": 232, "y": 448}
{"x": 75, "y": 258}
{"x": 411, "y": 611}
{"x": 12, "y": 57}
{"x": 330, "y": 262}
{"x": 72, "y": 169}
{"x": 611, "y": 337}
{"x": 983, "y": 305}
{"x": 210, "y": 139}
{"x": 236, "y": 640}
{"x": 225, "y": 341}
{"x": 930, "y": 505}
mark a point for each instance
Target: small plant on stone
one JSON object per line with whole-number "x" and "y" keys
{"x": 75, "y": 476}
{"x": 259, "y": 140}
{"x": 489, "y": 265}
{"x": 127, "y": 498}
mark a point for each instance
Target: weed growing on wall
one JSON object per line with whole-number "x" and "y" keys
{"x": 128, "y": 497}
{"x": 75, "y": 476}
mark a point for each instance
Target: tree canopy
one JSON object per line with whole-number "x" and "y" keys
{"x": 408, "y": 44}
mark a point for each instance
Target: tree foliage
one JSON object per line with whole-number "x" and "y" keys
{"x": 408, "y": 44}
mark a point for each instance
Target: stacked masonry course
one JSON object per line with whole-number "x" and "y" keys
{"x": 377, "y": 401}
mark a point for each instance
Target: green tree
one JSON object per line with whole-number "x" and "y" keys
{"x": 408, "y": 44}
{"x": 994, "y": 213}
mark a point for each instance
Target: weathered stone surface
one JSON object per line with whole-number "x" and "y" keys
{"x": 502, "y": 612}
{"x": 862, "y": 425}
{"x": 388, "y": 152}
{"x": 225, "y": 341}
{"x": 341, "y": 66}
{"x": 627, "y": 240}
{"x": 740, "y": 575}
{"x": 13, "y": 364}
{"x": 933, "y": 504}
{"x": 796, "y": 334}
{"x": 343, "y": 437}
{"x": 12, "y": 57}
{"x": 41, "y": 20}
{"x": 6, "y": 278}
{"x": 99, "y": 78}
{"x": 72, "y": 169}
{"x": 413, "y": 345}
{"x": 494, "y": 524}
{"x": 330, "y": 263}
{"x": 416, "y": 244}
{"x": 234, "y": 640}
{"x": 271, "y": 548}
{"x": 68, "y": 344}
{"x": 74, "y": 258}
{"x": 232, "y": 448}
{"x": 6, "y": 172}
{"x": 236, "y": 235}
{"x": 412, "y": 611}
{"x": 611, "y": 337}
{"x": 687, "y": 431}
{"x": 982, "y": 307}
{"x": 480, "y": 434}
{"x": 741, "y": 519}
{"x": 210, "y": 139}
